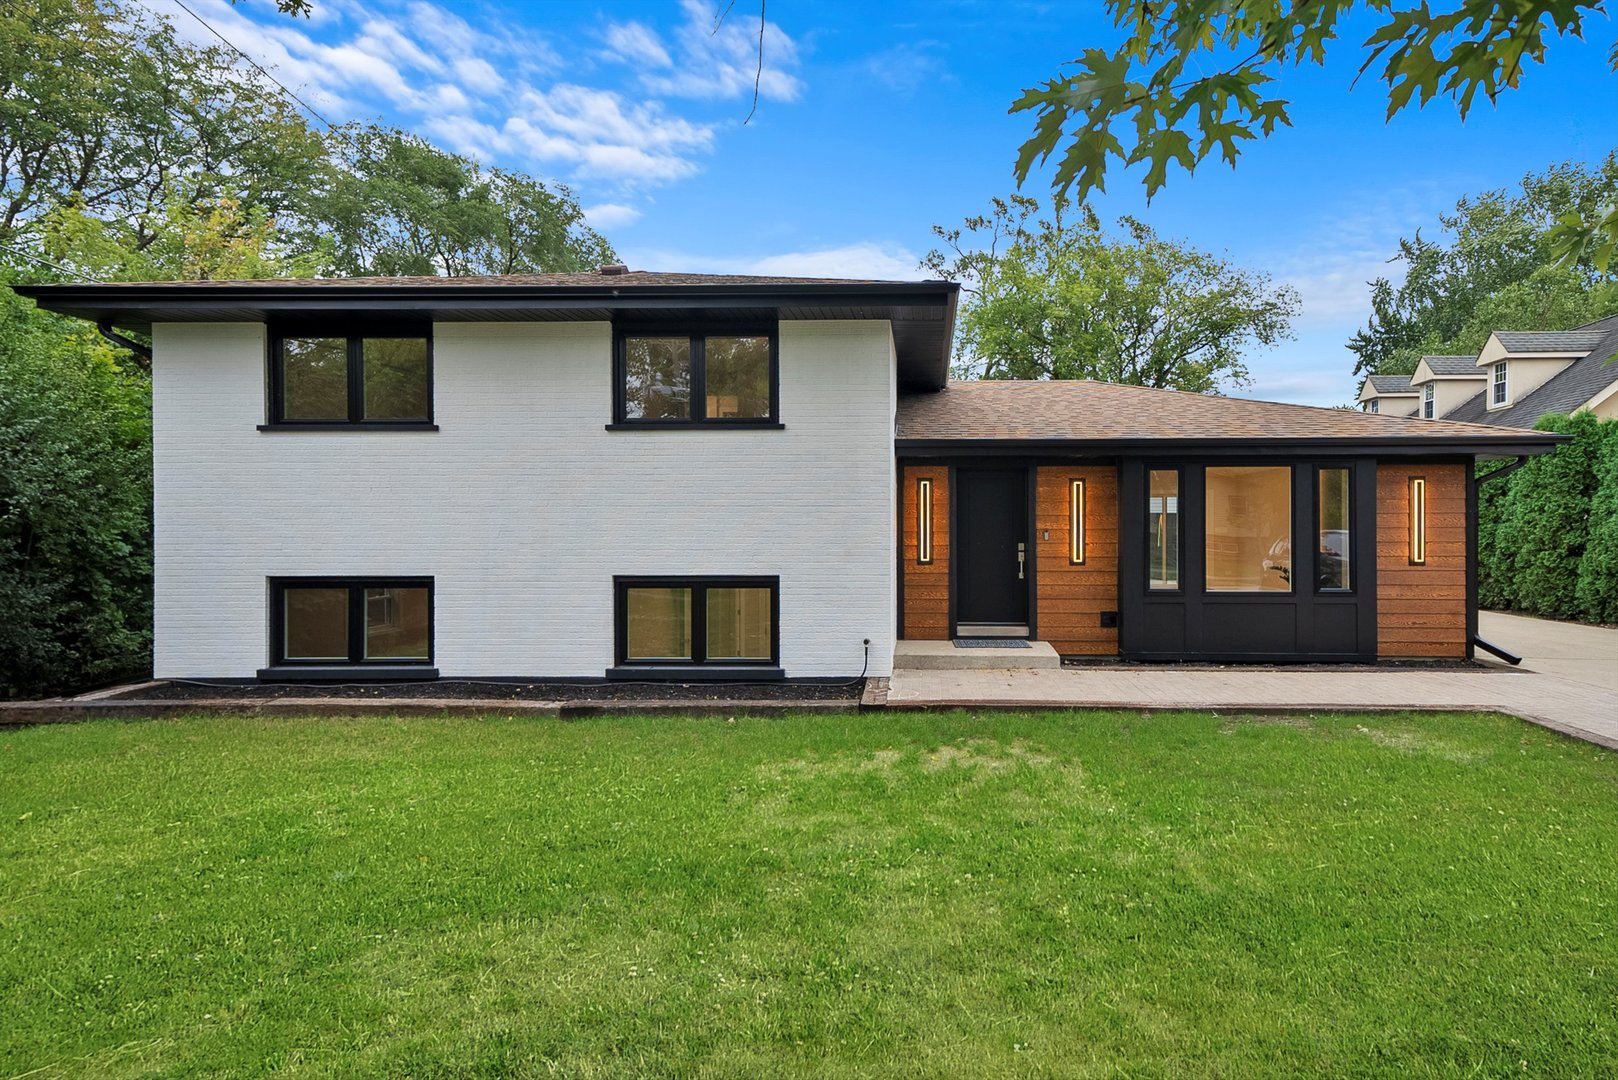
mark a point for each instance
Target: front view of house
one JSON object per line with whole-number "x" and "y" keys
{"x": 666, "y": 476}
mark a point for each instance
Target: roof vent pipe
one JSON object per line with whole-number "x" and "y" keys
{"x": 613, "y": 269}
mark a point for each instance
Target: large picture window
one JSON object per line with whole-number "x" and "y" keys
{"x": 332, "y": 380}
{"x": 672, "y": 379}
{"x": 351, "y": 621}
{"x": 1247, "y": 533}
{"x": 693, "y": 623}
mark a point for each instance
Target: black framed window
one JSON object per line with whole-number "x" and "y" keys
{"x": 698, "y": 622}
{"x": 1334, "y": 535}
{"x": 324, "y": 378}
{"x": 673, "y": 378}
{"x": 377, "y": 622}
{"x": 1163, "y": 530}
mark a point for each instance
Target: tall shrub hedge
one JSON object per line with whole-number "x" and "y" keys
{"x": 75, "y": 508}
{"x": 1548, "y": 535}
{"x": 1598, "y": 569}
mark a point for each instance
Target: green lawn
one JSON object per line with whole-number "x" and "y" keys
{"x": 860, "y": 895}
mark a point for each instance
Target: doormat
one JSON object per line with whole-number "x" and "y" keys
{"x": 991, "y": 643}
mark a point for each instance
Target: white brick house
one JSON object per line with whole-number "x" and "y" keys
{"x": 521, "y": 496}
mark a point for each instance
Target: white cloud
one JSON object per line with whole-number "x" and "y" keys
{"x": 611, "y": 215}
{"x": 634, "y": 43}
{"x": 487, "y": 93}
{"x": 713, "y": 55}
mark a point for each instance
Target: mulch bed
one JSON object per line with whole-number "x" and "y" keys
{"x": 470, "y": 690}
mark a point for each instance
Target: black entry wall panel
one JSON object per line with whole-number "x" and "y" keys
{"x": 1235, "y": 626}
{"x": 1160, "y": 629}
{"x": 1191, "y": 623}
{"x": 1337, "y": 629}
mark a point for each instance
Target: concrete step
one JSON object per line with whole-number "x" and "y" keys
{"x": 945, "y": 656}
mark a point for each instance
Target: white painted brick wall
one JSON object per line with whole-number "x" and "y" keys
{"x": 522, "y": 506}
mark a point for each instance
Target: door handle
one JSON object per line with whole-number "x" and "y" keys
{"x": 1022, "y": 554}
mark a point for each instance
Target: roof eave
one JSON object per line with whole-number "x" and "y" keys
{"x": 1514, "y": 444}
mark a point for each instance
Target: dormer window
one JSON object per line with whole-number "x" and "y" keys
{"x": 1427, "y": 409}
{"x": 1371, "y": 406}
{"x": 1498, "y": 395}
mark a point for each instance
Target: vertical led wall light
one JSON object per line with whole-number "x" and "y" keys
{"x": 1418, "y": 520}
{"x": 924, "y": 521}
{"x": 1075, "y": 531}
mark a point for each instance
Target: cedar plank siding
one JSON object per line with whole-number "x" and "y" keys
{"x": 926, "y": 588}
{"x": 1072, "y": 598}
{"x": 1421, "y": 610}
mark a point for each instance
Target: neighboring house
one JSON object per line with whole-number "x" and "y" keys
{"x": 1518, "y": 377}
{"x": 1390, "y": 394}
{"x": 666, "y": 476}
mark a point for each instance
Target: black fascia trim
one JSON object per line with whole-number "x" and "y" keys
{"x": 1539, "y": 443}
{"x": 356, "y": 297}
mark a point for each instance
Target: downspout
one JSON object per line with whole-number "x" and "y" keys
{"x": 142, "y": 352}
{"x": 1472, "y": 570}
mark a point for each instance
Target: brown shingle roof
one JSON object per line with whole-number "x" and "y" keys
{"x": 630, "y": 279}
{"x": 1080, "y": 410}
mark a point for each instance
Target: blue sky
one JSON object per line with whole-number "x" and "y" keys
{"x": 877, "y": 120}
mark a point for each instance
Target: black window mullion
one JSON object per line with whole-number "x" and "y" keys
{"x": 699, "y": 378}
{"x": 356, "y": 624}
{"x": 699, "y": 624}
{"x": 356, "y": 380}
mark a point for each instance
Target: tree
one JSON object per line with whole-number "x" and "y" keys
{"x": 1059, "y": 298}
{"x": 1495, "y": 262}
{"x": 75, "y": 501}
{"x": 1146, "y": 91}
{"x": 396, "y": 204}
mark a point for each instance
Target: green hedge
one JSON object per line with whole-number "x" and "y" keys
{"x": 75, "y": 508}
{"x": 1548, "y": 535}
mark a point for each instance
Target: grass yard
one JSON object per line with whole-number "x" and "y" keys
{"x": 862, "y": 895}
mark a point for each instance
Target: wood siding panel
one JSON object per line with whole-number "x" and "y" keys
{"x": 1071, "y": 598}
{"x": 926, "y": 586}
{"x": 1421, "y": 610}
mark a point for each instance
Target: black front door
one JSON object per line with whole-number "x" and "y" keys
{"x": 992, "y": 555}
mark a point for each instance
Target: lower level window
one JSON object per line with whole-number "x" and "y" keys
{"x": 698, "y": 620}
{"x": 352, "y": 620}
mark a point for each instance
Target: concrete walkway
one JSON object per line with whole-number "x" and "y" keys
{"x": 1568, "y": 682}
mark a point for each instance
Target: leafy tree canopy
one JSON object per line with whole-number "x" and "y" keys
{"x": 1494, "y": 265}
{"x": 1192, "y": 78}
{"x": 1058, "y": 297}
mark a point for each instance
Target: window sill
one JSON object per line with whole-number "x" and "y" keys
{"x": 358, "y": 673}
{"x": 694, "y": 673}
{"x": 710, "y": 425}
{"x": 379, "y": 425}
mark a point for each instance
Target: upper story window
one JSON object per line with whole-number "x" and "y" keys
{"x": 1371, "y": 406}
{"x": 1427, "y": 401}
{"x": 1499, "y": 394}
{"x": 681, "y": 378}
{"x": 324, "y": 379}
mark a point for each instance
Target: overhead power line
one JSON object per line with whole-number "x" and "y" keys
{"x": 310, "y": 109}
{"x": 30, "y": 256}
